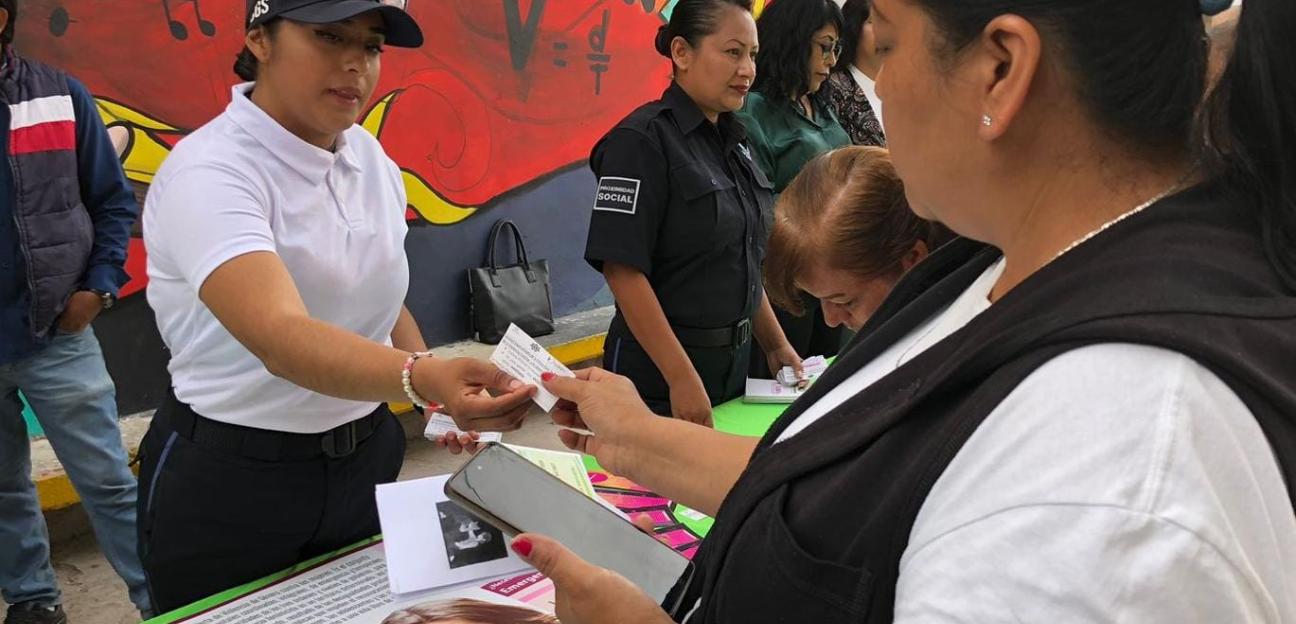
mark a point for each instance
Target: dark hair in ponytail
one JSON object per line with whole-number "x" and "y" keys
{"x": 693, "y": 20}
{"x": 245, "y": 65}
{"x": 1251, "y": 122}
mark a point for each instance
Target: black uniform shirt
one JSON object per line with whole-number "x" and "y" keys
{"x": 680, "y": 199}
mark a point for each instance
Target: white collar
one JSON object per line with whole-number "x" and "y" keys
{"x": 310, "y": 161}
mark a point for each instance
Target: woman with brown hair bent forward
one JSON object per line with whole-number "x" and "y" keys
{"x": 844, "y": 234}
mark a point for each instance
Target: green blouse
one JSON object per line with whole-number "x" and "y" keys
{"x": 784, "y": 139}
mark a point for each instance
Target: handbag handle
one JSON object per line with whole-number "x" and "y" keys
{"x": 519, "y": 248}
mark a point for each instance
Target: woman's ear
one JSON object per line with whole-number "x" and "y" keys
{"x": 915, "y": 255}
{"x": 1006, "y": 62}
{"x": 258, "y": 42}
{"x": 681, "y": 53}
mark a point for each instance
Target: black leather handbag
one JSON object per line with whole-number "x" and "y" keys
{"x": 517, "y": 293}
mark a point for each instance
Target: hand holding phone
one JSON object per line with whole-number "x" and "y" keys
{"x": 517, "y": 497}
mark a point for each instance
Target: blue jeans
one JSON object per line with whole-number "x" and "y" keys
{"x": 68, "y": 387}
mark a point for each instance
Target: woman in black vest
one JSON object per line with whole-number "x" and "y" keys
{"x": 1089, "y": 416}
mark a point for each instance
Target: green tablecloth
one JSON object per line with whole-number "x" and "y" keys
{"x": 732, "y": 417}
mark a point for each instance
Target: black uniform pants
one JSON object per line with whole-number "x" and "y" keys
{"x": 723, "y": 370}
{"x": 211, "y": 519}
{"x": 810, "y": 335}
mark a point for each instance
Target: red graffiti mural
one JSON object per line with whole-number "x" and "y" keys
{"x": 504, "y": 91}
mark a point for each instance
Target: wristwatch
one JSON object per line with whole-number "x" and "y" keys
{"x": 105, "y": 297}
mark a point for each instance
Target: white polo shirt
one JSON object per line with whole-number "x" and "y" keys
{"x": 241, "y": 184}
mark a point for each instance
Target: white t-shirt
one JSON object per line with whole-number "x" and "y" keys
{"x": 241, "y": 184}
{"x": 1117, "y": 483}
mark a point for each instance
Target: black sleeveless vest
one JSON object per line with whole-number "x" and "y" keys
{"x": 815, "y": 528}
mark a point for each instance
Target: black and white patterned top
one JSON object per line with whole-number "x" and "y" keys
{"x": 849, "y": 102}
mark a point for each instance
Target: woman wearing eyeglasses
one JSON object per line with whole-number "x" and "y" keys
{"x": 789, "y": 123}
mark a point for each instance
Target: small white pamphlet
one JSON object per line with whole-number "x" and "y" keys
{"x": 525, "y": 359}
{"x": 433, "y": 542}
{"x": 770, "y": 391}
{"x": 440, "y": 424}
{"x": 811, "y": 367}
{"x": 568, "y": 467}
{"x": 466, "y": 548}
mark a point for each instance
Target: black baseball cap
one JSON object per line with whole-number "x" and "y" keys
{"x": 401, "y": 29}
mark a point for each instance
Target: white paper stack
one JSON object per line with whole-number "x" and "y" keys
{"x": 440, "y": 424}
{"x": 770, "y": 391}
{"x": 811, "y": 368}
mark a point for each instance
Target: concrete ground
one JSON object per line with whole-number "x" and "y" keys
{"x": 92, "y": 593}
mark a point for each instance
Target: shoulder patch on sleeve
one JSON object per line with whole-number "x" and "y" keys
{"x": 617, "y": 195}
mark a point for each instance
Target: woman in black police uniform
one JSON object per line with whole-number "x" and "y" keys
{"x": 680, "y": 221}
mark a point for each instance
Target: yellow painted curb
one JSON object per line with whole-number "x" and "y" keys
{"x": 56, "y": 492}
{"x": 577, "y": 351}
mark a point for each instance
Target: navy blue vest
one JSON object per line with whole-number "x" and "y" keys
{"x": 55, "y": 233}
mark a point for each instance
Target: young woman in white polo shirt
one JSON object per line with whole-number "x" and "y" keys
{"x": 278, "y": 274}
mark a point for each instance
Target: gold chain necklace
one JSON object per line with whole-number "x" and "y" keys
{"x": 1137, "y": 209}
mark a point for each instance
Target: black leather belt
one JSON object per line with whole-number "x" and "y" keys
{"x": 267, "y": 445}
{"x": 730, "y": 337}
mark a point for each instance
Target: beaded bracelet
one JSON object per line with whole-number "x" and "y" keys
{"x": 407, "y": 373}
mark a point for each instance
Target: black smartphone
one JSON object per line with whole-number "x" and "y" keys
{"x": 516, "y": 496}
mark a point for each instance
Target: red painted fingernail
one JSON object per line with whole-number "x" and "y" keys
{"x": 546, "y": 376}
{"x": 522, "y": 547}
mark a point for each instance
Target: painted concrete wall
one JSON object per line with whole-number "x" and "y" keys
{"x": 494, "y": 117}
